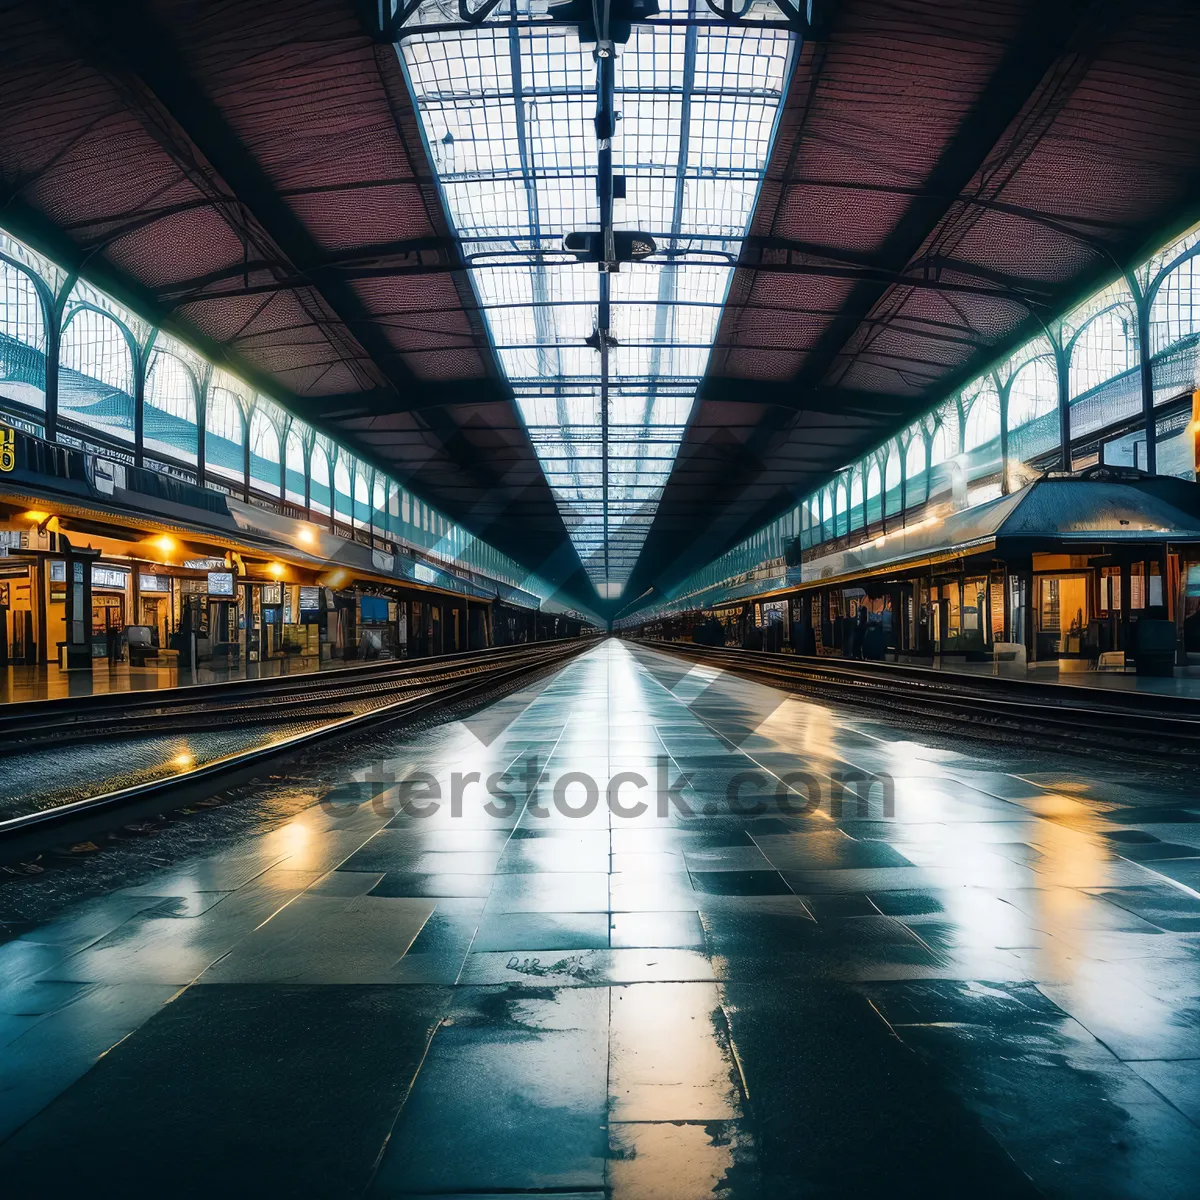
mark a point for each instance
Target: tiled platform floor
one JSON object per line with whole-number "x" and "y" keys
{"x": 1072, "y": 673}
{"x": 983, "y": 983}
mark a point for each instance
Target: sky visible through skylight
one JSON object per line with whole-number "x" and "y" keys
{"x": 507, "y": 114}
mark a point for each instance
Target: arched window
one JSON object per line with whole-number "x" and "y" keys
{"x": 379, "y": 503}
{"x": 983, "y": 418}
{"x": 362, "y": 499}
{"x": 939, "y": 446}
{"x": 1033, "y": 425}
{"x": 856, "y": 498}
{"x": 874, "y": 492}
{"x": 1033, "y": 393}
{"x": 224, "y": 436}
{"x": 22, "y": 339}
{"x": 1106, "y": 346}
{"x": 343, "y": 505}
{"x": 826, "y": 500}
{"x": 393, "y": 509}
{"x": 96, "y": 374}
{"x": 293, "y": 477}
{"x": 264, "y": 453}
{"x": 949, "y": 422}
{"x": 169, "y": 424}
{"x": 318, "y": 475}
{"x": 891, "y": 477}
{"x": 841, "y": 516}
{"x": 1175, "y": 312}
{"x": 811, "y": 532}
{"x": 917, "y": 489}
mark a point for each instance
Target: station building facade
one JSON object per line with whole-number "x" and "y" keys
{"x": 1109, "y": 390}
{"x": 198, "y": 504}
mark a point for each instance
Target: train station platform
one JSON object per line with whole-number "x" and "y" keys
{"x": 49, "y": 682}
{"x": 1184, "y": 682}
{"x": 633, "y": 931}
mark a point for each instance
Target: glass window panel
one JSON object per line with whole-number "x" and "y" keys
{"x": 1106, "y": 346}
{"x": 22, "y": 339}
{"x": 224, "y": 435}
{"x": 322, "y": 495}
{"x": 508, "y": 116}
{"x": 169, "y": 425}
{"x": 343, "y": 504}
{"x": 264, "y": 453}
{"x": 96, "y": 375}
{"x": 294, "y": 473}
{"x": 1175, "y": 313}
{"x": 916, "y": 477}
{"x": 362, "y": 500}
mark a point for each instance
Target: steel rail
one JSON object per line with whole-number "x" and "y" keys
{"x": 1133, "y": 721}
{"x": 26, "y": 725}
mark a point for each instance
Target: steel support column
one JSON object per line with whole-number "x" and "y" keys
{"x": 1063, "y": 376}
{"x": 1146, "y": 373}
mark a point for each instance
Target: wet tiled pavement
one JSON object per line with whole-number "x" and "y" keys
{"x": 826, "y": 960}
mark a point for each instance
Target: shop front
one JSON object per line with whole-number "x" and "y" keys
{"x": 18, "y": 612}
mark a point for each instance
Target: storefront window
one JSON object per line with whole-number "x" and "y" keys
{"x": 1109, "y": 599}
{"x": 974, "y": 611}
{"x": 1137, "y": 585}
{"x": 997, "y": 602}
{"x": 1062, "y": 615}
{"x": 952, "y": 612}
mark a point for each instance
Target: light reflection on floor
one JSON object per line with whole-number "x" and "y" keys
{"x": 991, "y": 991}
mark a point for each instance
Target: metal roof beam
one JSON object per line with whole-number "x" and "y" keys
{"x": 1045, "y": 37}
{"x": 125, "y": 40}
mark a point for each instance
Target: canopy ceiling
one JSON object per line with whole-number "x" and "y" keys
{"x": 254, "y": 175}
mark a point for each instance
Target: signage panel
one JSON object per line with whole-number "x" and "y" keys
{"x": 220, "y": 583}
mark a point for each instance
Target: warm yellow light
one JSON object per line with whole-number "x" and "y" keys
{"x": 306, "y": 535}
{"x": 336, "y": 579}
{"x": 168, "y": 545}
{"x": 35, "y": 516}
{"x": 183, "y": 760}
{"x": 276, "y": 569}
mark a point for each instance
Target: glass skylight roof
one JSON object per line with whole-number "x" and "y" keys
{"x": 507, "y": 110}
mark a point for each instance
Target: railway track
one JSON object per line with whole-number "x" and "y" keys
{"x": 46, "y": 724}
{"x": 1141, "y": 723}
{"x": 391, "y": 694}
